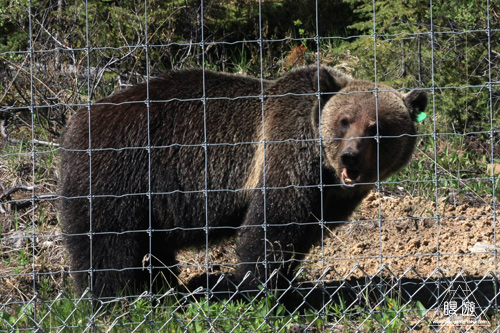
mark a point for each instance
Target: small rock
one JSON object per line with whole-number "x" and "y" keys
{"x": 301, "y": 328}
{"x": 481, "y": 247}
{"x": 15, "y": 240}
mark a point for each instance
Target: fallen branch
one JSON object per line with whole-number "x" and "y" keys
{"x": 25, "y": 202}
{"x": 5, "y": 136}
{"x": 7, "y": 193}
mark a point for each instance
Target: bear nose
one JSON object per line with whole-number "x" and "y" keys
{"x": 350, "y": 158}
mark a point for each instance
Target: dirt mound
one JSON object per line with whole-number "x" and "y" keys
{"x": 412, "y": 231}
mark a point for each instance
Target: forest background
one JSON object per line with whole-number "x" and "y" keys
{"x": 85, "y": 50}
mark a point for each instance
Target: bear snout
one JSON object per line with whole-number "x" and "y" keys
{"x": 350, "y": 158}
{"x": 350, "y": 172}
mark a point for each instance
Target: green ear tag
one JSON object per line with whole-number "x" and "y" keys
{"x": 421, "y": 116}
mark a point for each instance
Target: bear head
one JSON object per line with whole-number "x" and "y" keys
{"x": 369, "y": 135}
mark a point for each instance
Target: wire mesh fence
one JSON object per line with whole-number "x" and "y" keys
{"x": 189, "y": 202}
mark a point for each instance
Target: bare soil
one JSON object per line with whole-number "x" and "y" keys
{"x": 401, "y": 232}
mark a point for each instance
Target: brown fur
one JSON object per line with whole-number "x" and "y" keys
{"x": 161, "y": 178}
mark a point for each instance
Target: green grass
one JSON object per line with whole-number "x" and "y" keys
{"x": 143, "y": 314}
{"x": 446, "y": 164}
{"x": 169, "y": 314}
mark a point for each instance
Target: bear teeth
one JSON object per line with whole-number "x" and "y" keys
{"x": 346, "y": 180}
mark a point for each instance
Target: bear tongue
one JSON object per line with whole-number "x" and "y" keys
{"x": 345, "y": 178}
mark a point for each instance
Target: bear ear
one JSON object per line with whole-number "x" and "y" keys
{"x": 416, "y": 102}
{"x": 330, "y": 80}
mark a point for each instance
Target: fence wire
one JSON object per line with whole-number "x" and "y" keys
{"x": 419, "y": 253}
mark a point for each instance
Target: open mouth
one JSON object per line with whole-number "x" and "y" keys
{"x": 349, "y": 177}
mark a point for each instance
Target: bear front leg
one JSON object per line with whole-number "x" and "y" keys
{"x": 278, "y": 239}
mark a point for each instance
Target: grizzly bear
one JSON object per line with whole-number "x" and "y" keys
{"x": 195, "y": 156}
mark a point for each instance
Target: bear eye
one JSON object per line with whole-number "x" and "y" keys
{"x": 344, "y": 122}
